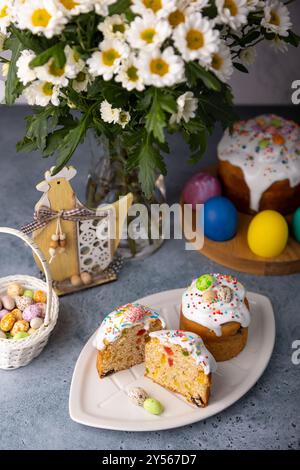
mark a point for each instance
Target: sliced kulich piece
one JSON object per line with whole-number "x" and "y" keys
{"x": 221, "y": 318}
{"x": 121, "y": 338}
{"x": 179, "y": 361}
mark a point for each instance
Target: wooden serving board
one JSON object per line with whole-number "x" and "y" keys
{"x": 236, "y": 254}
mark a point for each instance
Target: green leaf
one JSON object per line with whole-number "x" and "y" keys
{"x": 148, "y": 160}
{"x": 28, "y": 40}
{"x": 195, "y": 72}
{"x": 168, "y": 103}
{"x": 54, "y": 141}
{"x": 240, "y": 67}
{"x": 249, "y": 37}
{"x": 114, "y": 94}
{"x": 70, "y": 142}
{"x": 26, "y": 145}
{"x": 155, "y": 118}
{"x": 119, "y": 7}
{"x": 56, "y": 52}
{"x": 292, "y": 38}
{"x": 13, "y": 87}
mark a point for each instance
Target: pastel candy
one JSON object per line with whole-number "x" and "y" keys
{"x": 23, "y": 302}
{"x": 21, "y": 335}
{"x": 153, "y": 406}
{"x": 3, "y": 312}
{"x": 8, "y": 302}
{"x": 15, "y": 289}
{"x": 137, "y": 395}
{"x": 42, "y": 308}
{"x": 28, "y": 293}
{"x": 20, "y": 326}
{"x": 32, "y": 311}
{"x": 36, "y": 323}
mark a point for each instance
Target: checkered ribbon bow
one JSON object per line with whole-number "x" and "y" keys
{"x": 45, "y": 214}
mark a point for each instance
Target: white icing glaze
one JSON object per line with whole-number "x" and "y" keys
{"x": 127, "y": 316}
{"x": 191, "y": 343}
{"x": 214, "y": 314}
{"x": 266, "y": 149}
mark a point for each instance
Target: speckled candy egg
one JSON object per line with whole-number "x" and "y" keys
{"x": 34, "y": 310}
{"x": 86, "y": 278}
{"x": 8, "y": 302}
{"x": 20, "y": 326}
{"x": 7, "y": 322}
{"x": 3, "y": 312}
{"x": 137, "y": 395}
{"x": 36, "y": 323}
{"x": 23, "y": 302}
{"x": 42, "y": 308}
{"x": 14, "y": 289}
{"x": 28, "y": 293}
{"x": 17, "y": 313}
{"x": 40, "y": 296}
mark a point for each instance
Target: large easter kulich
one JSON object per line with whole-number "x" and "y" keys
{"x": 259, "y": 164}
{"x": 216, "y": 308}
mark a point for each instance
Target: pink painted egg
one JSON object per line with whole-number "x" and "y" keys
{"x": 201, "y": 187}
{"x": 32, "y": 311}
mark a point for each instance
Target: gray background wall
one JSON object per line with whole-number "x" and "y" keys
{"x": 270, "y": 77}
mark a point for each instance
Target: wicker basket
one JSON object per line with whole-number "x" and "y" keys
{"x": 17, "y": 353}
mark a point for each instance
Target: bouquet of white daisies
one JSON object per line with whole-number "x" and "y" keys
{"x": 131, "y": 70}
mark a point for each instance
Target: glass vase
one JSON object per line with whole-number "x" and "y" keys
{"x": 108, "y": 181}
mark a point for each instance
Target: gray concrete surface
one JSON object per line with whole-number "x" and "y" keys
{"x": 34, "y": 399}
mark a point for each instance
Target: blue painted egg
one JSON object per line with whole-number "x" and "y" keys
{"x": 220, "y": 219}
{"x": 296, "y": 224}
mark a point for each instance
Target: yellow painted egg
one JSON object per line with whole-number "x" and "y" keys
{"x": 7, "y": 322}
{"x": 268, "y": 234}
{"x": 39, "y": 296}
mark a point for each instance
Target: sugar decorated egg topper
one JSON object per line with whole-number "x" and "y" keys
{"x": 79, "y": 243}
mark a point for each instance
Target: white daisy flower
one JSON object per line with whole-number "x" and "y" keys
{"x": 41, "y": 16}
{"x": 74, "y": 64}
{"x": 184, "y": 9}
{"x": 160, "y": 68}
{"x": 75, "y": 7}
{"x": 148, "y": 32}
{"x": 51, "y": 73}
{"x": 276, "y": 18}
{"x": 124, "y": 118}
{"x": 186, "y": 108}
{"x": 25, "y": 73}
{"x": 5, "y": 69}
{"x": 108, "y": 113}
{"x": 161, "y": 8}
{"x": 101, "y": 6}
{"x": 232, "y": 12}
{"x": 2, "y": 40}
{"x": 129, "y": 76}
{"x": 253, "y": 5}
{"x": 196, "y": 39}
{"x": 5, "y": 15}
{"x": 248, "y": 56}
{"x": 42, "y": 93}
{"x": 221, "y": 63}
{"x": 82, "y": 81}
{"x": 194, "y": 4}
{"x": 114, "y": 26}
{"x": 106, "y": 62}
{"x": 278, "y": 45}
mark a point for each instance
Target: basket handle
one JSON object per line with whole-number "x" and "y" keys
{"x": 43, "y": 262}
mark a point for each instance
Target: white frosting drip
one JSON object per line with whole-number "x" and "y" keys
{"x": 127, "y": 316}
{"x": 266, "y": 149}
{"x": 214, "y": 314}
{"x": 191, "y": 343}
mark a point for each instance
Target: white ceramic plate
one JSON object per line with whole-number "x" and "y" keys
{"x": 104, "y": 403}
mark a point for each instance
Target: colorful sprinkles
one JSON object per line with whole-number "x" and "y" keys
{"x": 191, "y": 344}
{"x": 214, "y": 313}
{"x": 127, "y": 316}
{"x": 267, "y": 149}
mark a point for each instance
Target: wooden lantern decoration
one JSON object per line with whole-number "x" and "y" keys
{"x": 67, "y": 233}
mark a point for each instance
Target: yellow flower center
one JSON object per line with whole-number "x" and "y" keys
{"x": 69, "y": 4}
{"x": 55, "y": 71}
{"x": 154, "y": 5}
{"x": 275, "y": 18}
{"x": 217, "y": 62}
{"x": 3, "y": 12}
{"x": 132, "y": 73}
{"x": 194, "y": 39}
{"x": 176, "y": 18}
{"x": 118, "y": 28}
{"x": 40, "y": 17}
{"x": 231, "y": 5}
{"x": 110, "y": 56}
{"x": 148, "y": 35}
{"x": 159, "y": 67}
{"x": 47, "y": 89}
